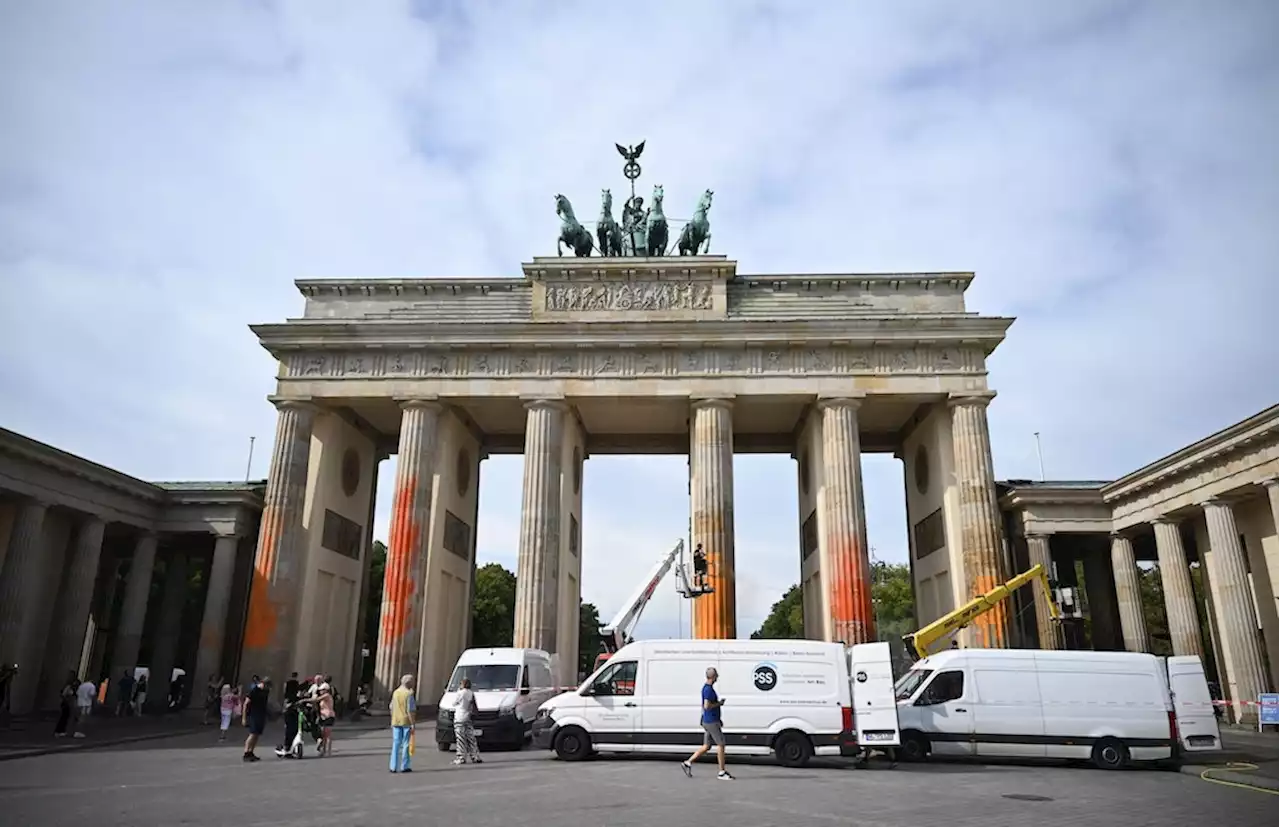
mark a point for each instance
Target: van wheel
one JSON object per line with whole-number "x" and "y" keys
{"x": 915, "y": 747}
{"x": 1110, "y": 754}
{"x": 793, "y": 749}
{"x": 572, "y": 744}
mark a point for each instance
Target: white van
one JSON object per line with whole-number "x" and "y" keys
{"x": 1107, "y": 707}
{"x": 510, "y": 685}
{"x": 794, "y": 698}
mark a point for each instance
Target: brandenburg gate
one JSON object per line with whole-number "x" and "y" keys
{"x": 658, "y": 354}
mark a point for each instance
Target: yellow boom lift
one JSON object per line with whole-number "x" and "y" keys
{"x": 921, "y": 642}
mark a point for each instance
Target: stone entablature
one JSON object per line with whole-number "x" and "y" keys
{"x": 1057, "y": 508}
{"x": 33, "y": 469}
{"x": 637, "y": 290}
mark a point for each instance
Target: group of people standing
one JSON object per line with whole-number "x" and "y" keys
{"x": 310, "y": 707}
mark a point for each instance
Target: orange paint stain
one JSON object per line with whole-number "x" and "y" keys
{"x": 400, "y": 585}
{"x": 992, "y": 627}
{"x": 849, "y": 590}
{"x": 263, "y": 616}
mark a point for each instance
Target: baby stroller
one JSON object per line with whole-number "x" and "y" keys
{"x": 308, "y": 724}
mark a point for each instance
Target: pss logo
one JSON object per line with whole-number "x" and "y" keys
{"x": 765, "y": 676}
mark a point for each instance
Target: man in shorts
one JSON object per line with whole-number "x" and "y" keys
{"x": 712, "y": 733}
{"x": 254, "y": 716}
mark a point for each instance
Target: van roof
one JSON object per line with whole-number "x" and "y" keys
{"x": 940, "y": 659}
{"x": 729, "y": 648}
{"x": 501, "y": 654}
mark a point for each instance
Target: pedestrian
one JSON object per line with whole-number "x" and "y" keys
{"x": 712, "y": 732}
{"x": 140, "y": 693}
{"x": 289, "y": 712}
{"x": 226, "y": 708}
{"x": 212, "y": 699}
{"x": 324, "y": 698}
{"x": 66, "y": 704}
{"x": 124, "y": 693}
{"x": 404, "y": 716}
{"x": 254, "y": 716}
{"x": 464, "y": 734}
{"x": 86, "y": 693}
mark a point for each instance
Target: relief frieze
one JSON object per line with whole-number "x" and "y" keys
{"x": 607, "y": 297}
{"x": 623, "y": 362}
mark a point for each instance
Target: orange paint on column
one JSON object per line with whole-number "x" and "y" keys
{"x": 264, "y": 613}
{"x": 852, "y": 613}
{"x": 401, "y": 580}
{"x": 992, "y": 627}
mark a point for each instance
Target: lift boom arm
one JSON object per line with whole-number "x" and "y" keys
{"x": 618, "y": 632}
{"x": 924, "y": 638}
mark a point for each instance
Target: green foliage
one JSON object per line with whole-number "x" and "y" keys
{"x": 590, "y": 643}
{"x": 785, "y": 619}
{"x": 373, "y": 608}
{"x": 493, "y": 614}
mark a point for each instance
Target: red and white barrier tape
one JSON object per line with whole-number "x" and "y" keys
{"x": 1240, "y": 703}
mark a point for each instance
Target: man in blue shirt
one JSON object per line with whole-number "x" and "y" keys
{"x": 711, "y": 729}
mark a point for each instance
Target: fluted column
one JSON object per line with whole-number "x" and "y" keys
{"x": 1038, "y": 554}
{"x": 980, "y": 547}
{"x": 213, "y": 622}
{"x": 71, "y": 612}
{"x": 715, "y": 616}
{"x": 536, "y": 589}
{"x": 164, "y": 647}
{"x": 270, "y": 631}
{"x": 1233, "y": 605}
{"x": 405, "y": 582}
{"x": 133, "y": 614}
{"x": 1179, "y": 596}
{"x": 20, "y": 578}
{"x": 845, "y": 562}
{"x": 1124, "y": 568}
{"x": 1273, "y": 494}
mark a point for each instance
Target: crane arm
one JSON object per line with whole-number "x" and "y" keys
{"x": 921, "y": 641}
{"x": 618, "y": 631}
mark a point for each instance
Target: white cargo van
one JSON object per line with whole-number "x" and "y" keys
{"x": 510, "y": 685}
{"x": 795, "y": 698}
{"x": 1107, "y": 707}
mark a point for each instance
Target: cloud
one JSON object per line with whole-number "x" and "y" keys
{"x": 1108, "y": 169}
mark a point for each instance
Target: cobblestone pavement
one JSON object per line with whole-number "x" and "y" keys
{"x": 191, "y": 780}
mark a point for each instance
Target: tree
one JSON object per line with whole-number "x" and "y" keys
{"x": 589, "y": 639}
{"x": 373, "y": 608}
{"x": 785, "y": 619}
{"x": 493, "y": 613}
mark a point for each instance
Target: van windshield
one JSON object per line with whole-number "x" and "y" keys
{"x": 486, "y": 677}
{"x": 909, "y": 683}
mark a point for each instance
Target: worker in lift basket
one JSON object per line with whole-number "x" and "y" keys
{"x": 699, "y": 567}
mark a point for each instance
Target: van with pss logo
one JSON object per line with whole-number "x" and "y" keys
{"x": 792, "y": 698}
{"x": 1111, "y": 708}
{"x": 509, "y": 685}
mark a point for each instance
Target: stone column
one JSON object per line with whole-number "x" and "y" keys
{"x": 1179, "y": 596}
{"x": 133, "y": 613}
{"x": 164, "y": 647}
{"x": 536, "y": 589}
{"x": 404, "y": 584}
{"x": 711, "y": 506}
{"x": 980, "y": 547}
{"x": 71, "y": 613}
{"x": 1237, "y": 621}
{"x": 845, "y": 562}
{"x": 213, "y": 623}
{"x": 20, "y": 579}
{"x": 1039, "y": 555}
{"x": 270, "y": 631}
{"x": 1124, "y": 567}
{"x": 1273, "y": 493}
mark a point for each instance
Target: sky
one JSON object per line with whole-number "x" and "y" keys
{"x": 1108, "y": 169}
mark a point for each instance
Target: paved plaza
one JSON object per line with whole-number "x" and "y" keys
{"x": 191, "y": 780}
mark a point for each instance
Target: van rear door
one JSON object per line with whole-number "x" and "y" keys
{"x": 875, "y": 711}
{"x": 1192, "y": 705}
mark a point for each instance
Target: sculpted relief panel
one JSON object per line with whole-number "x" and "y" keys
{"x": 624, "y": 296}
{"x": 637, "y": 362}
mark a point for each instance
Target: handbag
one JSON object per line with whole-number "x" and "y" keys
{"x": 412, "y": 738}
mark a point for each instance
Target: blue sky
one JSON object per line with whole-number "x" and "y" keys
{"x": 1109, "y": 170}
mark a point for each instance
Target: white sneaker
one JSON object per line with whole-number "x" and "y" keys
{"x": 78, "y": 735}
{"x": 459, "y": 761}
{"x": 724, "y": 775}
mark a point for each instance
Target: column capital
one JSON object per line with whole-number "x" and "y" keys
{"x": 1219, "y": 501}
{"x": 982, "y": 398}
{"x": 299, "y": 405}
{"x": 712, "y": 402}
{"x": 1119, "y": 535}
{"x": 852, "y": 401}
{"x": 552, "y": 403}
{"x": 1271, "y": 482}
{"x": 1038, "y": 535}
{"x": 426, "y": 403}
{"x": 1165, "y": 519}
